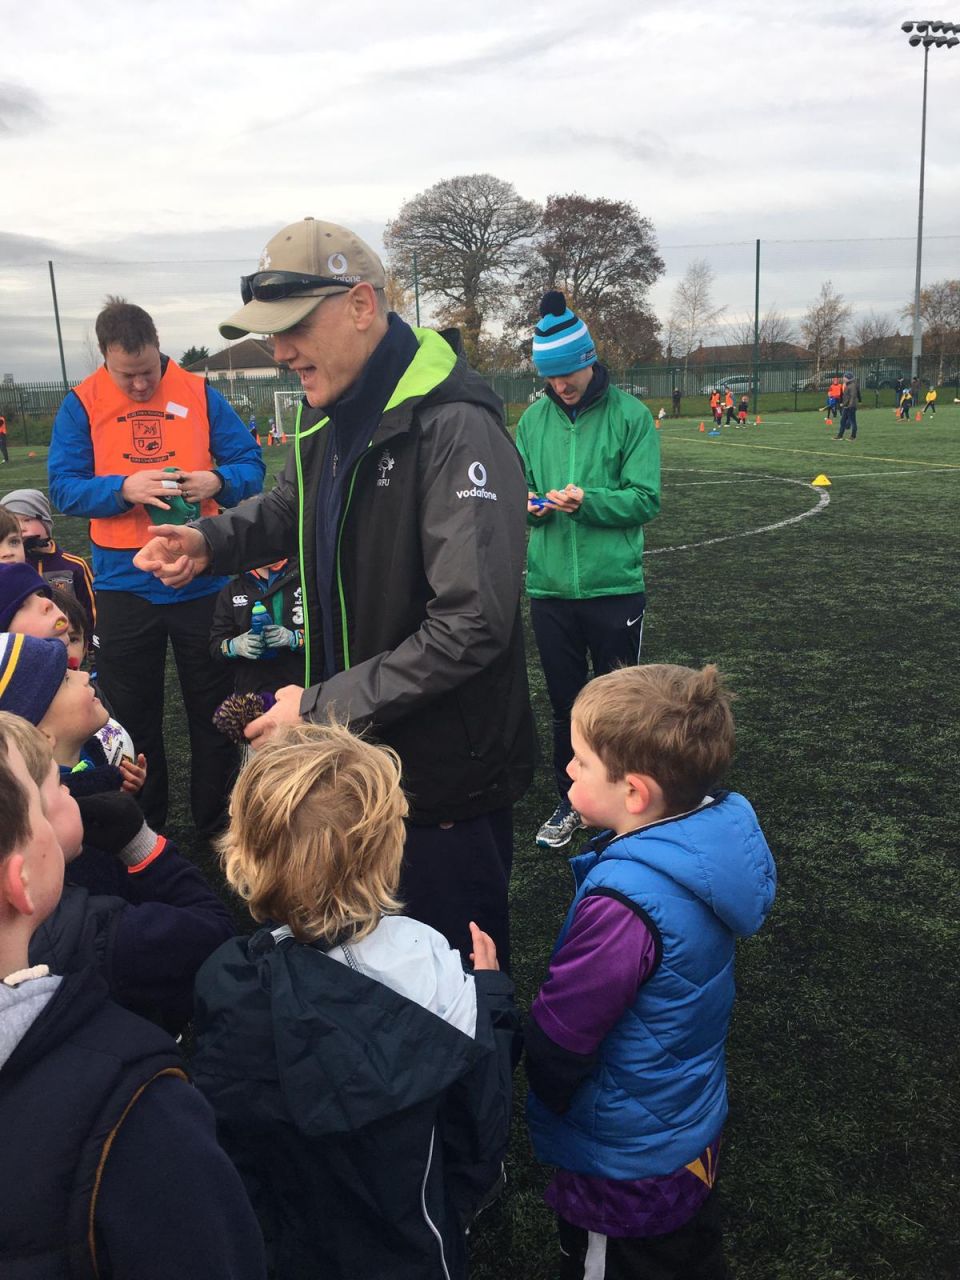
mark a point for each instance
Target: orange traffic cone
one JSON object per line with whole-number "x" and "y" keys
{"x": 283, "y": 439}
{"x": 918, "y": 417}
{"x": 758, "y": 421}
{"x": 702, "y": 427}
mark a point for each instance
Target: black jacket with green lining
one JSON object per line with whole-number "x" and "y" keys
{"x": 427, "y": 599}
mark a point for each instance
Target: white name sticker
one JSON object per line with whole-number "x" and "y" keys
{"x": 178, "y": 410}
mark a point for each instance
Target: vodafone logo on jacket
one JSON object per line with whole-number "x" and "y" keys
{"x": 477, "y": 475}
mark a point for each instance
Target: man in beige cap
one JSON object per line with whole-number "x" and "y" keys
{"x": 404, "y": 499}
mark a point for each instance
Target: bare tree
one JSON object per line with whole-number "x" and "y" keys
{"x": 873, "y": 334}
{"x": 823, "y": 323}
{"x": 776, "y": 334}
{"x": 92, "y": 359}
{"x": 401, "y": 296}
{"x": 940, "y": 314}
{"x": 469, "y": 235}
{"x": 602, "y": 254}
{"x": 693, "y": 315}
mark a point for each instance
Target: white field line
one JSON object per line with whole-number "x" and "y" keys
{"x": 822, "y": 453}
{"x": 823, "y": 501}
{"x": 914, "y": 471}
{"x": 834, "y": 477}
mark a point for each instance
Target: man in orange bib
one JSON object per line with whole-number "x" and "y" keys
{"x": 133, "y": 443}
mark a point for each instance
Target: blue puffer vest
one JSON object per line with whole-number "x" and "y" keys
{"x": 658, "y": 1094}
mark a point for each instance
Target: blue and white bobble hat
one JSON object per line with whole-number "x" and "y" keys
{"x": 561, "y": 341}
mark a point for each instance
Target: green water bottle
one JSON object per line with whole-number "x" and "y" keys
{"x": 180, "y": 510}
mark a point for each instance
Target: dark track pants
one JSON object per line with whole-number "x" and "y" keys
{"x": 131, "y": 668}
{"x": 606, "y": 631}
{"x": 848, "y": 418}
{"x": 459, "y": 872}
{"x": 692, "y": 1252}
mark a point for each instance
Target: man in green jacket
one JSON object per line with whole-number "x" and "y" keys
{"x": 592, "y": 460}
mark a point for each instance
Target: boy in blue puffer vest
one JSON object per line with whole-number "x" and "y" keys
{"x": 626, "y": 1040}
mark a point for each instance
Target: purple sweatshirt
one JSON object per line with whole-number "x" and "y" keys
{"x": 593, "y": 979}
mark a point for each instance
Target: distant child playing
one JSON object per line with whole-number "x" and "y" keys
{"x": 625, "y": 1044}
{"x": 360, "y": 1078}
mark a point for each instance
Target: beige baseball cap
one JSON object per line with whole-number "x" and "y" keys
{"x": 330, "y": 259}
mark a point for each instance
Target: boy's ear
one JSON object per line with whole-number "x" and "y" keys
{"x": 643, "y": 793}
{"x": 14, "y": 887}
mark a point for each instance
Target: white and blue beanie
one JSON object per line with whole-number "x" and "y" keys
{"x": 561, "y": 341}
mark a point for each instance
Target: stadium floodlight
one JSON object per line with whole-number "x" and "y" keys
{"x": 942, "y": 35}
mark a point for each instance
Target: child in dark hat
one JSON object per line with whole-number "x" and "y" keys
{"x": 62, "y": 570}
{"x": 27, "y": 605}
{"x": 159, "y": 919}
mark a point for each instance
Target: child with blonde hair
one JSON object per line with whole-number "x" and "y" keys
{"x": 105, "y": 1144}
{"x": 625, "y": 1043}
{"x": 361, "y": 1078}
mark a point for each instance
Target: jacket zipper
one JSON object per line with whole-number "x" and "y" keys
{"x": 343, "y": 520}
{"x": 423, "y": 1204}
{"x": 573, "y": 528}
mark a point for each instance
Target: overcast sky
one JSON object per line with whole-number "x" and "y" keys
{"x": 152, "y": 149}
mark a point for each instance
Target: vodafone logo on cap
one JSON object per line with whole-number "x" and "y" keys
{"x": 337, "y": 264}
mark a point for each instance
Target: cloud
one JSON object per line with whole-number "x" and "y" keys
{"x": 21, "y": 110}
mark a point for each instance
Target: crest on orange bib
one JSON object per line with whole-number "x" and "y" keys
{"x": 146, "y": 434}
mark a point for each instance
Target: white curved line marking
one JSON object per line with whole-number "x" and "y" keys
{"x": 823, "y": 497}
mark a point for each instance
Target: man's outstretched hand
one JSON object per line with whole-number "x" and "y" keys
{"x": 175, "y": 554}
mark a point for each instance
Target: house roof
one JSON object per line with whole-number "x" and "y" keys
{"x": 742, "y": 353}
{"x": 250, "y": 353}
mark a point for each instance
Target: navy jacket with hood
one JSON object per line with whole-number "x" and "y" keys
{"x": 365, "y": 1127}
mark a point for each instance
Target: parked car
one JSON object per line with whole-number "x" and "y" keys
{"x": 730, "y": 382}
{"x": 633, "y": 389}
{"x": 820, "y": 383}
{"x": 877, "y": 379}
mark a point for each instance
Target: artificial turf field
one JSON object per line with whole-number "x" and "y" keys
{"x": 833, "y": 613}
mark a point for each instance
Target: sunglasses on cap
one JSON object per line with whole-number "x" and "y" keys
{"x": 273, "y": 286}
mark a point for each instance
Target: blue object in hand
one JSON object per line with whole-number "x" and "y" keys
{"x": 259, "y": 621}
{"x": 539, "y": 503}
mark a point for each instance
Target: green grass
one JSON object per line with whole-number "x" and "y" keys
{"x": 839, "y": 633}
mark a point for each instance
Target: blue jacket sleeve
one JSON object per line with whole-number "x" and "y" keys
{"x": 74, "y": 489}
{"x": 170, "y": 1203}
{"x": 235, "y": 451}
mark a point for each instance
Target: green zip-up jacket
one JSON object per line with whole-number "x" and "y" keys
{"x": 612, "y": 452}
{"x": 426, "y": 598}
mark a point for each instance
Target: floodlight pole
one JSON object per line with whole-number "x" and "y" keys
{"x": 917, "y": 330}
{"x": 944, "y": 36}
{"x": 56, "y": 317}
{"x": 756, "y": 335}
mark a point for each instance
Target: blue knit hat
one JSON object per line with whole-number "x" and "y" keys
{"x": 31, "y": 672}
{"x": 17, "y": 583}
{"x": 561, "y": 341}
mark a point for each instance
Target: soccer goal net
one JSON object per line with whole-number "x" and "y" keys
{"x": 285, "y": 404}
